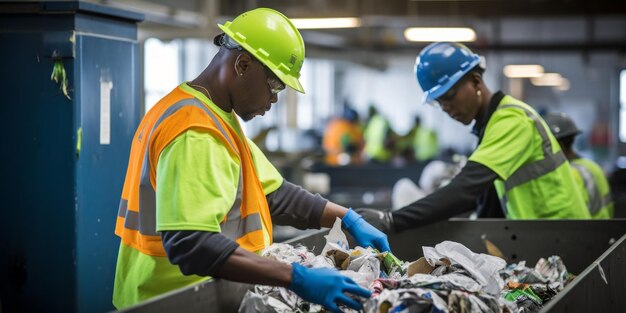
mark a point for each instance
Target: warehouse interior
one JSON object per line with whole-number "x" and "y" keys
{"x": 80, "y": 76}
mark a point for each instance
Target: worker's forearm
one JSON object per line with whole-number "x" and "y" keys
{"x": 197, "y": 252}
{"x": 247, "y": 267}
{"x": 455, "y": 198}
{"x": 331, "y": 212}
{"x": 292, "y": 205}
{"x": 212, "y": 254}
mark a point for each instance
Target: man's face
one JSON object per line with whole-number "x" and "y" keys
{"x": 461, "y": 102}
{"x": 261, "y": 91}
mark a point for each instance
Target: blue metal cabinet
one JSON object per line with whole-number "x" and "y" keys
{"x": 64, "y": 158}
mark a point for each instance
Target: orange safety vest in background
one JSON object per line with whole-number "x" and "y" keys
{"x": 248, "y": 221}
{"x": 338, "y": 135}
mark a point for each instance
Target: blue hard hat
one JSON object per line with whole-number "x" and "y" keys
{"x": 441, "y": 64}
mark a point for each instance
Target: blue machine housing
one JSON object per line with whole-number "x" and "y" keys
{"x": 62, "y": 182}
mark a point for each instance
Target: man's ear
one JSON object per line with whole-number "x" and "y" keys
{"x": 242, "y": 64}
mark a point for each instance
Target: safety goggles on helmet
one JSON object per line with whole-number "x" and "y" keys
{"x": 273, "y": 82}
{"x": 450, "y": 94}
{"x": 446, "y": 97}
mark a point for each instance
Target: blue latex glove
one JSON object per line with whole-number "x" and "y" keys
{"x": 325, "y": 286}
{"x": 365, "y": 234}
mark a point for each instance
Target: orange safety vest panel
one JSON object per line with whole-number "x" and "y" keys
{"x": 248, "y": 221}
{"x": 333, "y": 141}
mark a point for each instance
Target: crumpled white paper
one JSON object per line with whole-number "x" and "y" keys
{"x": 481, "y": 266}
{"x": 368, "y": 268}
{"x": 336, "y": 239}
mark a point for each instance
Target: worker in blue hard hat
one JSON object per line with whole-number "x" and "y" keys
{"x": 518, "y": 163}
{"x": 590, "y": 176}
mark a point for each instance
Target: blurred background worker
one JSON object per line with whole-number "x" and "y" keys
{"x": 593, "y": 184}
{"x": 419, "y": 144}
{"x": 199, "y": 197}
{"x": 378, "y": 137}
{"x": 343, "y": 139}
{"x": 517, "y": 157}
{"x": 424, "y": 141}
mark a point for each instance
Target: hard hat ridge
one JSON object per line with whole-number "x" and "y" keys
{"x": 441, "y": 65}
{"x": 272, "y": 39}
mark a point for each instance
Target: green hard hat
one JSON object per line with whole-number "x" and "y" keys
{"x": 271, "y": 38}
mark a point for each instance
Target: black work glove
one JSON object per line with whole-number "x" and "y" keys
{"x": 377, "y": 218}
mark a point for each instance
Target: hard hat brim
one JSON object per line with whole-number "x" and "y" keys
{"x": 430, "y": 96}
{"x": 567, "y": 134}
{"x": 289, "y": 80}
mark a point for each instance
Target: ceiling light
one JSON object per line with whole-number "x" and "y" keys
{"x": 433, "y": 34}
{"x": 548, "y": 79}
{"x": 335, "y": 22}
{"x": 523, "y": 71}
{"x": 564, "y": 86}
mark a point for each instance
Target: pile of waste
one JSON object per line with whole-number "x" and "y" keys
{"x": 449, "y": 278}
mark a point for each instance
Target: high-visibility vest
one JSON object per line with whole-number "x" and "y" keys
{"x": 248, "y": 221}
{"x": 540, "y": 188}
{"x": 375, "y": 136}
{"x": 425, "y": 144}
{"x": 340, "y": 134}
{"x": 596, "y": 187}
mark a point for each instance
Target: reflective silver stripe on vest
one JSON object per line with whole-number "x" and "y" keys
{"x": 131, "y": 218}
{"x": 121, "y": 211}
{"x": 534, "y": 170}
{"x": 132, "y": 221}
{"x": 235, "y": 226}
{"x": 145, "y": 221}
{"x": 147, "y": 201}
{"x": 595, "y": 201}
{"x": 607, "y": 199}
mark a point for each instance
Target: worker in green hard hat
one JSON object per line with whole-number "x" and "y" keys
{"x": 518, "y": 163}
{"x": 200, "y": 198}
{"x": 593, "y": 183}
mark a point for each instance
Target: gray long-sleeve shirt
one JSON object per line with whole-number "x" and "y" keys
{"x": 203, "y": 253}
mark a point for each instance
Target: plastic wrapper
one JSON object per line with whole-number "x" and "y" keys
{"x": 530, "y": 288}
{"x": 260, "y": 303}
{"x": 406, "y": 300}
{"x": 553, "y": 270}
{"x": 483, "y": 267}
{"x": 321, "y": 261}
{"x": 367, "y": 267}
{"x": 459, "y": 301}
{"x": 450, "y": 281}
{"x": 336, "y": 239}
{"x": 288, "y": 253}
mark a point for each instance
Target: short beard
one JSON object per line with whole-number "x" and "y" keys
{"x": 247, "y": 117}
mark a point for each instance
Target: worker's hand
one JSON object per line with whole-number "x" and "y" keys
{"x": 364, "y": 233}
{"x": 377, "y": 218}
{"x": 326, "y": 286}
